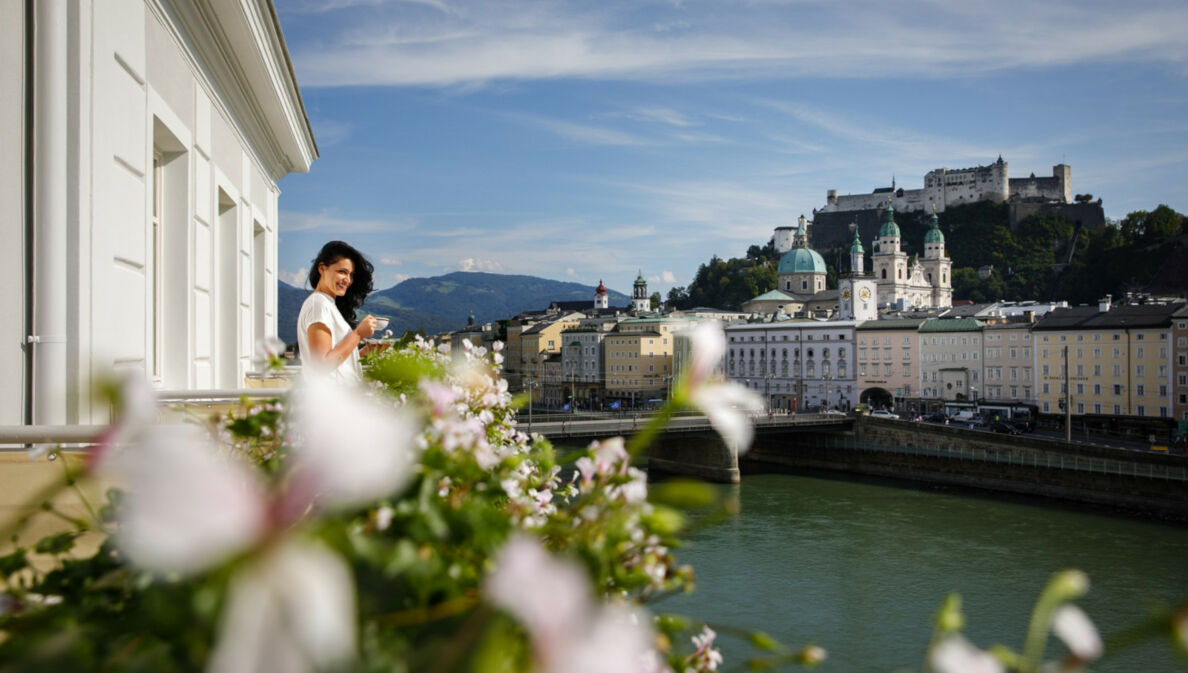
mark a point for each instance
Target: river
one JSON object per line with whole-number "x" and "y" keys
{"x": 859, "y": 567}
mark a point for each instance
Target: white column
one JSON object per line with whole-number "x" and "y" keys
{"x": 50, "y": 167}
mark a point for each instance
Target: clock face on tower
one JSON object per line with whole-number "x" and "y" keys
{"x": 846, "y": 293}
{"x": 864, "y": 293}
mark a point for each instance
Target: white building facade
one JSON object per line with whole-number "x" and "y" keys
{"x": 140, "y": 198}
{"x": 795, "y": 364}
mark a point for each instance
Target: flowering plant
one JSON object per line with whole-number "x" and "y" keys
{"x": 409, "y": 525}
{"x": 406, "y": 526}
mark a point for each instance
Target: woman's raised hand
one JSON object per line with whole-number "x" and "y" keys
{"x": 366, "y": 327}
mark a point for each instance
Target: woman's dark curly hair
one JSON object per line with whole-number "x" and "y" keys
{"x": 361, "y": 285}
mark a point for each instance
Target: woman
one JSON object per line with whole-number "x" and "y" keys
{"x": 328, "y": 332}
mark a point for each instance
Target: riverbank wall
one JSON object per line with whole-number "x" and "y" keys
{"x": 1138, "y": 482}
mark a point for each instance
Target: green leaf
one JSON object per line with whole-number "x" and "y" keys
{"x": 56, "y": 544}
{"x": 683, "y": 494}
{"x": 13, "y": 563}
{"x": 762, "y": 641}
{"x": 665, "y": 520}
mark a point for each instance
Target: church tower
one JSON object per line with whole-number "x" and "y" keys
{"x": 857, "y": 256}
{"x": 601, "y": 300}
{"x": 937, "y": 266}
{"x": 640, "y": 300}
{"x": 890, "y": 263}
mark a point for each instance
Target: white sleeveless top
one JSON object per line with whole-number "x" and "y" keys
{"x": 320, "y": 308}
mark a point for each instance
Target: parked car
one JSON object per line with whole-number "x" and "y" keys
{"x": 833, "y": 412}
{"x": 1003, "y": 428}
{"x": 936, "y": 417}
{"x": 882, "y": 413}
{"x": 1023, "y": 424}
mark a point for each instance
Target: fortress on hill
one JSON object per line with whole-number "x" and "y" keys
{"x": 944, "y": 188}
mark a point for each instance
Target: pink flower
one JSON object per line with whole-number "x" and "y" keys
{"x": 187, "y": 506}
{"x": 570, "y": 632}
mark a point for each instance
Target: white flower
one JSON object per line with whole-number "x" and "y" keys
{"x": 268, "y": 349}
{"x": 729, "y": 407}
{"x": 1072, "y": 625}
{"x": 187, "y": 507}
{"x": 955, "y": 654}
{"x": 291, "y": 611}
{"x": 570, "y": 633}
{"x": 350, "y": 449}
{"x": 708, "y": 345}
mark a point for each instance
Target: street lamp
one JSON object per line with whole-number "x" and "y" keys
{"x": 529, "y": 384}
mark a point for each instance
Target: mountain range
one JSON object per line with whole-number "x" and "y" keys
{"x": 443, "y": 303}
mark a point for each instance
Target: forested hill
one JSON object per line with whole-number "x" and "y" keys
{"x": 444, "y": 302}
{"x": 1045, "y": 257}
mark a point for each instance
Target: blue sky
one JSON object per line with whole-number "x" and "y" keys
{"x": 587, "y": 140}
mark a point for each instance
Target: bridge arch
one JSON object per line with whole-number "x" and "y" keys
{"x": 877, "y": 398}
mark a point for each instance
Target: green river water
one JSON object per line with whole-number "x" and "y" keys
{"x": 860, "y": 567}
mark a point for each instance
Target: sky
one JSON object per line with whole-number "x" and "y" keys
{"x": 582, "y": 141}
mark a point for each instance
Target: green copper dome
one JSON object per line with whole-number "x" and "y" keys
{"x": 801, "y": 260}
{"x": 889, "y": 227}
{"x": 639, "y": 280}
{"x": 857, "y": 246}
{"x": 934, "y": 234}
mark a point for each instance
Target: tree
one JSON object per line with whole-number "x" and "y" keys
{"x": 655, "y": 300}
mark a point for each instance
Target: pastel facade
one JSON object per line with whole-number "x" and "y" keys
{"x": 1180, "y": 364}
{"x": 951, "y": 359}
{"x": 1119, "y": 359}
{"x": 1008, "y": 363}
{"x": 158, "y": 132}
{"x": 888, "y": 360}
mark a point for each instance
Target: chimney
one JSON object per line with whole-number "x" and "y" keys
{"x": 1103, "y": 305}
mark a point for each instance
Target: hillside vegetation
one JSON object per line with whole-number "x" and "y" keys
{"x": 1044, "y": 258}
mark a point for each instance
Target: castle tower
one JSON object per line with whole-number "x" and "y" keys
{"x": 601, "y": 300}
{"x": 857, "y": 256}
{"x": 639, "y": 295}
{"x": 937, "y": 266}
{"x": 890, "y": 263}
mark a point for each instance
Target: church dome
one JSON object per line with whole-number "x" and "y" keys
{"x": 889, "y": 228}
{"x": 601, "y": 289}
{"x": 934, "y": 234}
{"x": 801, "y": 260}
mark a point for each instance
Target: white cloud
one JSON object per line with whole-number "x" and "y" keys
{"x": 585, "y": 133}
{"x": 389, "y": 261}
{"x": 291, "y": 222}
{"x": 668, "y": 276}
{"x": 472, "y": 264}
{"x": 663, "y": 115}
{"x": 571, "y": 273}
{"x": 296, "y": 278}
{"x": 482, "y": 41}
{"x": 401, "y": 277}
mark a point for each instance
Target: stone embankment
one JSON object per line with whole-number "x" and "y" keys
{"x": 1142, "y": 482}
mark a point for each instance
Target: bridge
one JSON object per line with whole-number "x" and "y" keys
{"x": 596, "y": 426}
